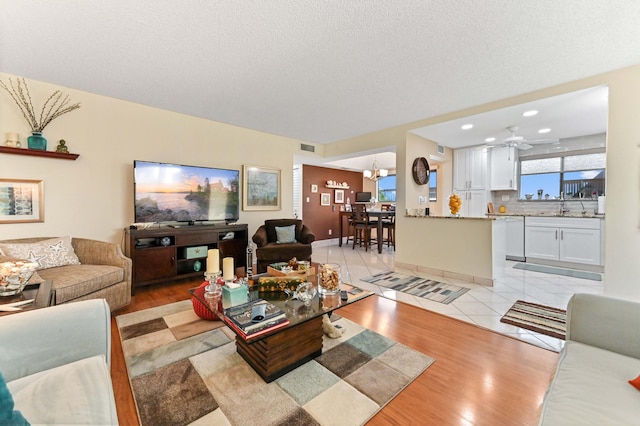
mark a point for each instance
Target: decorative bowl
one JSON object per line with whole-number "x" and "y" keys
{"x": 528, "y": 196}
{"x": 14, "y": 276}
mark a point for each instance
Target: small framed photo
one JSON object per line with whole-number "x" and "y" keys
{"x": 21, "y": 201}
{"x": 325, "y": 199}
{"x": 314, "y": 188}
{"x": 339, "y": 196}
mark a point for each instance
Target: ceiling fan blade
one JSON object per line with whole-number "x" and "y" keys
{"x": 524, "y": 146}
{"x": 537, "y": 141}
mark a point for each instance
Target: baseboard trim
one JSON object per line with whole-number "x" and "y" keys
{"x": 446, "y": 274}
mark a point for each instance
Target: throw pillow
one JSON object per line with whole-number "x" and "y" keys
{"x": 46, "y": 253}
{"x": 635, "y": 382}
{"x": 286, "y": 234}
{"x": 9, "y": 416}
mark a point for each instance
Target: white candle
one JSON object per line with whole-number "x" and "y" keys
{"x": 213, "y": 260}
{"x": 227, "y": 269}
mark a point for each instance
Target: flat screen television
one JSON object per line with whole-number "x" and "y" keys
{"x": 363, "y": 197}
{"x": 167, "y": 192}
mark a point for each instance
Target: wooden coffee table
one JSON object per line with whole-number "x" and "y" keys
{"x": 275, "y": 354}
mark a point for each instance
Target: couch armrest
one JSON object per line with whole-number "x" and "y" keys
{"x": 260, "y": 237}
{"x": 605, "y": 322}
{"x": 94, "y": 252}
{"x": 42, "y": 339}
{"x": 306, "y": 236}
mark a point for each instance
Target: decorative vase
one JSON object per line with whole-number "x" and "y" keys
{"x": 36, "y": 141}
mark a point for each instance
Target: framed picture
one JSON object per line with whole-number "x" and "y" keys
{"x": 314, "y": 188}
{"x": 325, "y": 199}
{"x": 260, "y": 188}
{"x": 21, "y": 201}
{"x": 339, "y": 196}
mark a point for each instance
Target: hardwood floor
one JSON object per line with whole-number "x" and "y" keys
{"x": 479, "y": 378}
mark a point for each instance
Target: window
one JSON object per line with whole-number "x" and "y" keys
{"x": 433, "y": 185}
{"x": 573, "y": 176}
{"x": 387, "y": 189}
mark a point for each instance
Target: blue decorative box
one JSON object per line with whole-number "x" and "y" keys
{"x": 234, "y": 296}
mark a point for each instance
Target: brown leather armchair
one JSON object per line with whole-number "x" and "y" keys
{"x": 271, "y": 251}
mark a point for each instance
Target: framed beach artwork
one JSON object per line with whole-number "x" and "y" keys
{"x": 261, "y": 188}
{"x": 339, "y": 196}
{"x": 325, "y": 199}
{"x": 21, "y": 201}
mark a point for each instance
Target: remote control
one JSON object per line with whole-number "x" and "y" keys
{"x": 343, "y": 295}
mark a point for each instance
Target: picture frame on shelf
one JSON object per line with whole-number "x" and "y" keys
{"x": 339, "y": 196}
{"x": 314, "y": 188}
{"x": 261, "y": 188}
{"x": 21, "y": 201}
{"x": 325, "y": 199}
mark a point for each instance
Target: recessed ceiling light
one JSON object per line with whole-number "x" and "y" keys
{"x": 530, "y": 113}
{"x": 467, "y": 126}
{"x": 547, "y": 130}
{"x": 490, "y": 139}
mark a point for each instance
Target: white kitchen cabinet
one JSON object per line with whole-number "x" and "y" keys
{"x": 474, "y": 203}
{"x": 470, "y": 168}
{"x": 575, "y": 240}
{"x": 504, "y": 166}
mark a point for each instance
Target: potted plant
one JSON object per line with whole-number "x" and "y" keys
{"x": 56, "y": 105}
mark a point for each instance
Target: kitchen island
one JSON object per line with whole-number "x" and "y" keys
{"x": 469, "y": 249}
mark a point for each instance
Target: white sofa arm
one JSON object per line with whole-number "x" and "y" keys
{"x": 41, "y": 339}
{"x": 605, "y": 322}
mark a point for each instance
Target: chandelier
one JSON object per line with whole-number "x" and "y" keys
{"x": 375, "y": 174}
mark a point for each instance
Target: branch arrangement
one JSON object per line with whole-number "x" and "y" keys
{"x": 56, "y": 105}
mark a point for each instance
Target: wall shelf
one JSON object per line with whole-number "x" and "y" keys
{"x": 336, "y": 187}
{"x": 38, "y": 153}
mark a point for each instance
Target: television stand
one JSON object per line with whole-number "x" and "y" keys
{"x": 176, "y": 252}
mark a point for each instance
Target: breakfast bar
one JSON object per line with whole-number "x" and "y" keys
{"x": 470, "y": 249}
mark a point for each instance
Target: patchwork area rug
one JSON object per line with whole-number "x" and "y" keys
{"x": 558, "y": 271}
{"x": 184, "y": 370}
{"x": 538, "y": 318}
{"x": 416, "y": 286}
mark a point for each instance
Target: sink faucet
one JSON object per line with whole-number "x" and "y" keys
{"x": 584, "y": 211}
{"x": 563, "y": 210}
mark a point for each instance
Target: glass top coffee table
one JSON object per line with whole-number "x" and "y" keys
{"x": 276, "y": 353}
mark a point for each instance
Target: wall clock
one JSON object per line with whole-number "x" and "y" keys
{"x": 420, "y": 171}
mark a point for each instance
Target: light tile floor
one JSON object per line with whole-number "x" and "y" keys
{"x": 482, "y": 305}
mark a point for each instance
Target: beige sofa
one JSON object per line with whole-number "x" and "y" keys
{"x": 601, "y": 354}
{"x": 104, "y": 272}
{"x": 57, "y": 364}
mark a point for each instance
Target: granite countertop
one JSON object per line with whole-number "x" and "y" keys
{"x": 547, "y": 214}
{"x": 452, "y": 217}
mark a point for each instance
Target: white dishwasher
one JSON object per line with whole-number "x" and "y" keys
{"x": 515, "y": 238}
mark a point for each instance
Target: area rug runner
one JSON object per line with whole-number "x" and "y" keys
{"x": 558, "y": 271}
{"x": 416, "y": 286}
{"x": 185, "y": 371}
{"x": 541, "y": 319}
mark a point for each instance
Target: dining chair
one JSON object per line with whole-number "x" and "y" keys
{"x": 389, "y": 225}
{"x": 362, "y": 226}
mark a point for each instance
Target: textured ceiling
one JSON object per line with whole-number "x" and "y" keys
{"x": 318, "y": 71}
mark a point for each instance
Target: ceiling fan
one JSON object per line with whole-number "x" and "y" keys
{"x": 520, "y": 142}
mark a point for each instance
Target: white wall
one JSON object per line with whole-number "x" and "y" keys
{"x": 92, "y": 197}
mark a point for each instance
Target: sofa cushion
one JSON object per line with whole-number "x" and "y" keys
{"x": 591, "y": 386}
{"x": 49, "y": 253}
{"x": 270, "y": 226}
{"x": 284, "y": 252}
{"x": 73, "y": 281}
{"x": 286, "y": 234}
{"x": 77, "y": 393}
